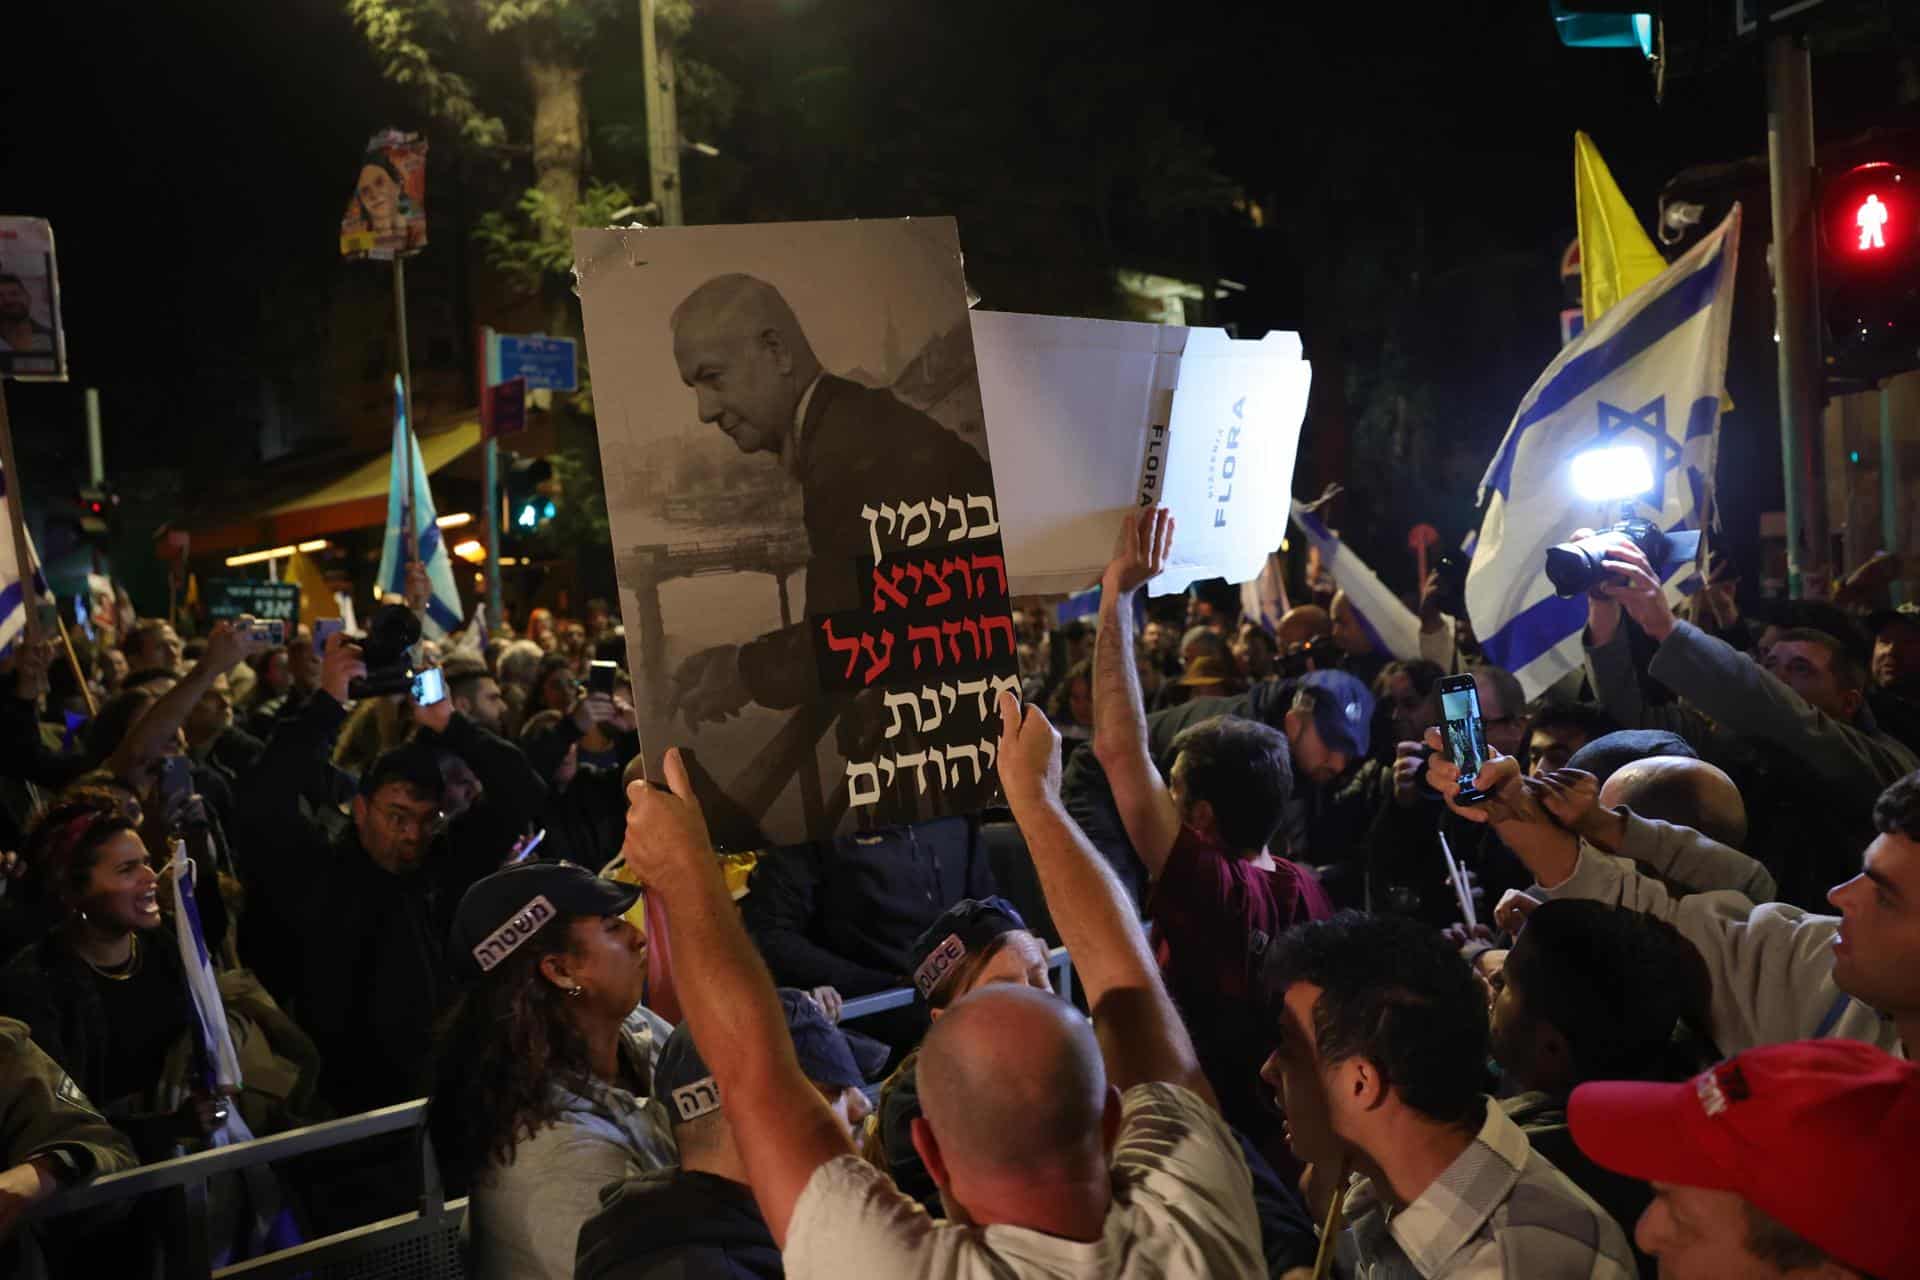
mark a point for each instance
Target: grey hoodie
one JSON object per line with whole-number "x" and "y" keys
{"x": 525, "y": 1217}
{"x": 1771, "y": 964}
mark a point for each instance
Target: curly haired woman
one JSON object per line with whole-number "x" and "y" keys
{"x": 544, "y": 1074}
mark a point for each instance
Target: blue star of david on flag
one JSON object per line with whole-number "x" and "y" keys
{"x": 1616, "y": 426}
{"x": 1648, "y": 374}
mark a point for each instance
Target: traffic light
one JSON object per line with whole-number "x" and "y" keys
{"x": 98, "y": 514}
{"x": 1870, "y": 270}
{"x": 531, "y": 494}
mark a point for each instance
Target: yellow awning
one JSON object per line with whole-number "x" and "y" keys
{"x": 369, "y": 480}
{"x": 356, "y": 500}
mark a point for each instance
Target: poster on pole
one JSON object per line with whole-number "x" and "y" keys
{"x": 33, "y": 342}
{"x": 386, "y": 216}
{"x": 804, "y": 519}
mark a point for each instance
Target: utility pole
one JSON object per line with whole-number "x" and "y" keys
{"x": 96, "y": 456}
{"x": 663, "y": 118}
{"x": 1790, "y": 166}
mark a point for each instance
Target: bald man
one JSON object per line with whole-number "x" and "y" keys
{"x": 1681, "y": 790}
{"x": 755, "y": 376}
{"x": 1303, "y": 624}
{"x": 1087, "y": 1157}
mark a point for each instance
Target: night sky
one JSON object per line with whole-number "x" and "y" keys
{"x": 1414, "y": 174}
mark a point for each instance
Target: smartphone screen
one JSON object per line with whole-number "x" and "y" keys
{"x": 322, "y": 628}
{"x": 429, "y": 686}
{"x": 1460, "y": 720}
{"x": 600, "y": 677}
{"x": 176, "y": 784}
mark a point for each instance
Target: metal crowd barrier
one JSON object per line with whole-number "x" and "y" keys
{"x": 422, "y": 1245}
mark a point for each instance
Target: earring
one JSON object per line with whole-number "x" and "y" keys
{"x": 574, "y": 991}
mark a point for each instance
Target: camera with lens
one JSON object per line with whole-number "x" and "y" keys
{"x": 1575, "y": 568}
{"x": 1317, "y": 654}
{"x": 392, "y": 632}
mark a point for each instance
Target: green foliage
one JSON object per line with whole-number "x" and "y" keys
{"x": 533, "y": 244}
{"x": 390, "y": 28}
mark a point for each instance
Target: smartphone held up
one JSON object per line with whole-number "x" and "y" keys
{"x": 429, "y": 687}
{"x": 1466, "y": 735}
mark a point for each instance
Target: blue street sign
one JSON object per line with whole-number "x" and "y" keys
{"x": 549, "y": 364}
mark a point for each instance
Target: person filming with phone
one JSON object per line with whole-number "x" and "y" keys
{"x": 359, "y": 878}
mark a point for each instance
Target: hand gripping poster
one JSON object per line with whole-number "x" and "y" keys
{"x": 386, "y": 216}
{"x": 804, "y": 521}
{"x": 33, "y": 344}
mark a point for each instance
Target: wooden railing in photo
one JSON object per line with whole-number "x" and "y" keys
{"x": 424, "y": 1244}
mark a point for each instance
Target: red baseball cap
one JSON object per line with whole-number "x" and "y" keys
{"x": 1823, "y": 1136}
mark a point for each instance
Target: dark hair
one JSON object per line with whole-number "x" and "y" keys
{"x": 1616, "y": 983}
{"x": 115, "y": 719}
{"x": 413, "y": 765}
{"x": 506, "y": 1040}
{"x": 136, "y": 639}
{"x": 1897, "y": 811}
{"x": 550, "y": 665}
{"x": 63, "y": 846}
{"x": 1780, "y": 1246}
{"x": 462, "y": 674}
{"x": 1062, "y": 699}
{"x": 1847, "y": 670}
{"x": 1582, "y": 717}
{"x": 540, "y": 722}
{"x": 7, "y": 277}
{"x": 612, "y": 647}
{"x": 1394, "y": 992}
{"x": 1421, "y": 673}
{"x": 1241, "y": 768}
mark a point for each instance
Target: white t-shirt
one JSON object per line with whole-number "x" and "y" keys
{"x": 1182, "y": 1207}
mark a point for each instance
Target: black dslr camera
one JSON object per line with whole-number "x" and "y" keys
{"x": 391, "y": 632}
{"x": 1317, "y": 654}
{"x": 1575, "y": 568}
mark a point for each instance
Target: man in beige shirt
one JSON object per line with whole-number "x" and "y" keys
{"x": 1061, "y": 1148}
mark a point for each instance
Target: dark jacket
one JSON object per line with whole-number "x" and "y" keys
{"x": 1810, "y": 780}
{"x": 846, "y": 912}
{"x": 51, "y": 989}
{"x": 860, "y": 447}
{"x": 676, "y": 1225}
{"x": 363, "y": 950}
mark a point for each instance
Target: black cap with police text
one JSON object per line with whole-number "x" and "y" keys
{"x": 828, "y": 1056}
{"x": 963, "y": 930}
{"x": 502, "y": 911}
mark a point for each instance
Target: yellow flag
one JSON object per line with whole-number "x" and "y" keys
{"x": 1616, "y": 257}
{"x": 316, "y": 599}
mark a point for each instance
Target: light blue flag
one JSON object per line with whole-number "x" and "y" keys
{"x": 1647, "y": 375}
{"x": 1393, "y": 627}
{"x": 13, "y": 600}
{"x": 443, "y": 608}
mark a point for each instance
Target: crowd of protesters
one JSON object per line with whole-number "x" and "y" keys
{"x": 1657, "y": 1022}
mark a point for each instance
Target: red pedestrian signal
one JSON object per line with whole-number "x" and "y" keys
{"x": 1872, "y": 219}
{"x": 1870, "y": 270}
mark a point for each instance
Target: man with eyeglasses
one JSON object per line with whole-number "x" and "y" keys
{"x": 360, "y": 896}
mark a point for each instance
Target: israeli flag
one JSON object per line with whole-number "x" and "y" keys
{"x": 265, "y": 1223}
{"x": 443, "y": 607}
{"x": 1647, "y": 377}
{"x": 13, "y": 600}
{"x": 1394, "y": 628}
